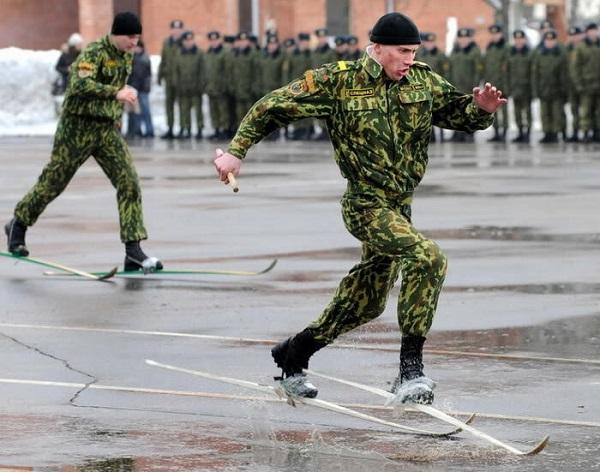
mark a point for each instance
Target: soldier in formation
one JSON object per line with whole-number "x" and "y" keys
{"x": 166, "y": 74}
{"x": 519, "y": 87}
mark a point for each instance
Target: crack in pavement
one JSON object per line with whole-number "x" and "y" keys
{"x": 66, "y": 363}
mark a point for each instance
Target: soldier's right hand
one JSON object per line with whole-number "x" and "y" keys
{"x": 226, "y": 163}
{"x": 127, "y": 95}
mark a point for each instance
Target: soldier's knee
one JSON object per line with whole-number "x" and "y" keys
{"x": 432, "y": 259}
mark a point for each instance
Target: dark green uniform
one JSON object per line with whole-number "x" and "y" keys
{"x": 90, "y": 126}
{"x": 191, "y": 81}
{"x": 586, "y": 74}
{"x": 243, "y": 80}
{"x": 574, "y": 96}
{"x": 270, "y": 67}
{"x": 300, "y": 62}
{"x": 323, "y": 55}
{"x": 435, "y": 58}
{"x": 519, "y": 88}
{"x": 494, "y": 72}
{"x": 465, "y": 67}
{"x": 380, "y": 132}
{"x": 167, "y": 74}
{"x": 549, "y": 73}
{"x": 216, "y": 89}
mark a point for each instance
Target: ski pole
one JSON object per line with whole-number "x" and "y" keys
{"x": 232, "y": 182}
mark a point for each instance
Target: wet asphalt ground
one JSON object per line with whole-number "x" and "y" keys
{"x": 516, "y": 338}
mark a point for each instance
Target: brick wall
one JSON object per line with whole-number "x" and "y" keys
{"x": 35, "y": 24}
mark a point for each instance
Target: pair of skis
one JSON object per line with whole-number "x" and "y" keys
{"x": 101, "y": 276}
{"x": 427, "y": 409}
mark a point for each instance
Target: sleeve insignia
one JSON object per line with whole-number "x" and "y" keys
{"x": 298, "y": 87}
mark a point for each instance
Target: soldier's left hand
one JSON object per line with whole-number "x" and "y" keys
{"x": 226, "y": 163}
{"x": 489, "y": 98}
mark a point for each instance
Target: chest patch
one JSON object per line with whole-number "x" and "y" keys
{"x": 362, "y": 92}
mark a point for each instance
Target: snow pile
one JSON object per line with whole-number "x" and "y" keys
{"x": 28, "y": 107}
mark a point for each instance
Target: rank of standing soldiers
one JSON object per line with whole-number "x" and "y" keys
{"x": 524, "y": 72}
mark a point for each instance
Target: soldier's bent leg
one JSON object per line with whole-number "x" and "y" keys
{"x": 114, "y": 158}
{"x": 73, "y": 145}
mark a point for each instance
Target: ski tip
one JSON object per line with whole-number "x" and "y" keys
{"x": 470, "y": 419}
{"x": 539, "y": 447}
{"x": 111, "y": 273}
{"x": 273, "y": 264}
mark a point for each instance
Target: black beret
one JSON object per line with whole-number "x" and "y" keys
{"x": 229, "y": 38}
{"x": 303, "y": 36}
{"x": 176, "y": 24}
{"x": 395, "y": 28}
{"x": 213, "y": 35}
{"x": 495, "y": 28}
{"x": 518, "y": 34}
{"x": 591, "y": 26}
{"x": 126, "y": 24}
{"x": 550, "y": 34}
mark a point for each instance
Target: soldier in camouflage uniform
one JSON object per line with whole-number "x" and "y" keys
{"x": 431, "y": 55}
{"x": 166, "y": 73}
{"x": 90, "y": 126}
{"x": 575, "y": 36}
{"x": 465, "y": 69}
{"x": 379, "y": 111}
{"x": 586, "y": 74}
{"x": 549, "y": 74}
{"x": 190, "y": 73}
{"x": 518, "y": 77}
{"x": 216, "y": 86}
{"x": 494, "y": 71}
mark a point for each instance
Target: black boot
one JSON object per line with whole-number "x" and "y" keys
{"x": 546, "y": 138}
{"x": 596, "y": 136}
{"x": 15, "y": 232}
{"x": 411, "y": 385}
{"x": 291, "y": 356}
{"x": 199, "y": 136}
{"x": 168, "y": 135}
{"x": 215, "y": 136}
{"x": 553, "y": 138}
{"x": 526, "y": 135}
{"x": 574, "y": 138}
{"x": 135, "y": 259}
{"x": 184, "y": 133}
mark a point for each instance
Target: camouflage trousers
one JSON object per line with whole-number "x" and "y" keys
{"x": 501, "y": 120}
{"x": 186, "y": 104}
{"x": 390, "y": 244}
{"x": 170, "y": 99}
{"x": 575, "y": 107}
{"x": 76, "y": 139}
{"x": 219, "y": 111}
{"x": 522, "y": 108}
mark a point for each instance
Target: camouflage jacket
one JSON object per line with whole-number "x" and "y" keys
{"x": 380, "y": 129}
{"x": 99, "y": 72}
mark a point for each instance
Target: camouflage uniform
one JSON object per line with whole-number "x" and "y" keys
{"x": 190, "y": 71}
{"x": 166, "y": 73}
{"x": 586, "y": 66}
{"x": 494, "y": 71}
{"x": 89, "y": 126}
{"x": 518, "y": 87}
{"x": 549, "y": 75}
{"x": 380, "y": 132}
{"x": 216, "y": 87}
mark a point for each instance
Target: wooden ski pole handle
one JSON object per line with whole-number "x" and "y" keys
{"x": 232, "y": 182}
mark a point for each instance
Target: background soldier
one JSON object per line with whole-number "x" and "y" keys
{"x": 465, "y": 69}
{"x": 191, "y": 81}
{"x": 271, "y": 72}
{"x": 244, "y": 75}
{"x": 575, "y": 36}
{"x": 341, "y": 48}
{"x": 166, "y": 73}
{"x": 549, "y": 75}
{"x": 354, "y": 51}
{"x": 301, "y": 61}
{"x": 229, "y": 65}
{"x": 216, "y": 86}
{"x": 494, "y": 71}
{"x": 587, "y": 67}
{"x": 518, "y": 76}
{"x": 88, "y": 126}
{"x": 323, "y": 53}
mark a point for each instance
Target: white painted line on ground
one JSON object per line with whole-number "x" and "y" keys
{"x": 223, "y": 396}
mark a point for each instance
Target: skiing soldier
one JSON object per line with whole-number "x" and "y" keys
{"x": 90, "y": 125}
{"x": 379, "y": 111}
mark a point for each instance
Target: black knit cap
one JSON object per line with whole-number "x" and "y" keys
{"x": 395, "y": 28}
{"x": 126, "y": 24}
